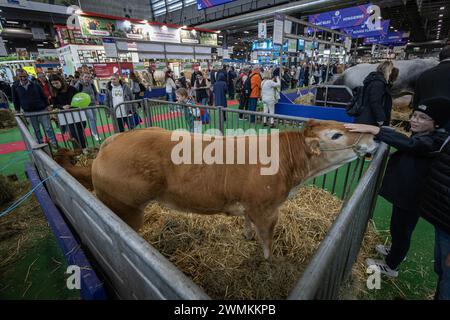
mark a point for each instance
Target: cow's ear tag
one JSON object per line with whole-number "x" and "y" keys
{"x": 313, "y": 146}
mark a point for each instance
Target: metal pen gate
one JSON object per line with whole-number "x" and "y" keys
{"x": 135, "y": 269}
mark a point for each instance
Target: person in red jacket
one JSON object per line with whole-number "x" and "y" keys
{"x": 45, "y": 85}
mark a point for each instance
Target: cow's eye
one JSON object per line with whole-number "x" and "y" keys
{"x": 336, "y": 136}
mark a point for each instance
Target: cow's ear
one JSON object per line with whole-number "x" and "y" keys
{"x": 313, "y": 146}
{"x": 311, "y": 123}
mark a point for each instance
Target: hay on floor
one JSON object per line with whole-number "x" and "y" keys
{"x": 306, "y": 100}
{"x": 7, "y": 191}
{"x": 7, "y": 119}
{"x": 214, "y": 253}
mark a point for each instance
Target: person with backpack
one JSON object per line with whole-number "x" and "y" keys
{"x": 405, "y": 174}
{"x": 372, "y": 103}
{"x": 86, "y": 85}
{"x": 435, "y": 208}
{"x": 252, "y": 90}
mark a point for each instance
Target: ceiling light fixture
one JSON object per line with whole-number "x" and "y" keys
{"x": 442, "y": 8}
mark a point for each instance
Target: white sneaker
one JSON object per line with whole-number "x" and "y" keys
{"x": 96, "y": 137}
{"x": 382, "y": 249}
{"x": 383, "y": 267}
{"x": 85, "y": 151}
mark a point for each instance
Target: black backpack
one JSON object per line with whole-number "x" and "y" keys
{"x": 248, "y": 86}
{"x": 356, "y": 105}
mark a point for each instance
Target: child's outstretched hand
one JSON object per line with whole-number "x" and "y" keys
{"x": 362, "y": 128}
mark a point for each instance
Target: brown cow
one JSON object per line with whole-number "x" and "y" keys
{"x": 66, "y": 159}
{"x": 136, "y": 167}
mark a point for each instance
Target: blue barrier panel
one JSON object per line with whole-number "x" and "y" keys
{"x": 322, "y": 113}
{"x": 155, "y": 93}
{"x": 91, "y": 286}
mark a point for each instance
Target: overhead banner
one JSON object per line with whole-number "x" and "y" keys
{"x": 389, "y": 38}
{"x": 204, "y": 4}
{"x": 364, "y": 31}
{"x": 190, "y": 36}
{"x": 164, "y": 34}
{"x": 262, "y": 30}
{"x": 348, "y": 17}
{"x": 278, "y": 28}
{"x": 91, "y": 26}
{"x": 126, "y": 29}
{"x": 209, "y": 39}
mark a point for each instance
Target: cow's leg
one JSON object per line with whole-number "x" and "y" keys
{"x": 248, "y": 228}
{"x": 131, "y": 215}
{"x": 265, "y": 222}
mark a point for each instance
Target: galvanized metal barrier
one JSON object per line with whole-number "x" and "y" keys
{"x": 72, "y": 128}
{"x": 133, "y": 268}
{"x": 138, "y": 271}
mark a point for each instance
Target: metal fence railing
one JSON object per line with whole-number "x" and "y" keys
{"x": 140, "y": 271}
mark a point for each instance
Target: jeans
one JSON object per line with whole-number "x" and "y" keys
{"x": 243, "y": 105}
{"x": 403, "y": 223}
{"x": 92, "y": 118}
{"x": 44, "y": 120}
{"x": 252, "y": 102}
{"x": 231, "y": 92}
{"x": 171, "y": 98}
{"x": 189, "y": 117}
{"x": 77, "y": 133}
{"x": 442, "y": 264}
{"x": 301, "y": 82}
{"x": 129, "y": 121}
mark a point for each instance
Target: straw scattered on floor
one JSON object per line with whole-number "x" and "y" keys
{"x": 214, "y": 253}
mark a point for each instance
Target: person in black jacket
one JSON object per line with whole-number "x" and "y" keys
{"x": 435, "y": 208}
{"x": 29, "y": 97}
{"x": 377, "y": 99}
{"x": 435, "y": 82}
{"x": 406, "y": 172}
{"x": 62, "y": 95}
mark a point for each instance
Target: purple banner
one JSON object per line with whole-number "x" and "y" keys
{"x": 344, "y": 18}
{"x": 363, "y": 31}
{"x": 389, "y": 38}
{"x": 204, "y": 4}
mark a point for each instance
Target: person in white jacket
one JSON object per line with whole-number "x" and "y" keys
{"x": 270, "y": 92}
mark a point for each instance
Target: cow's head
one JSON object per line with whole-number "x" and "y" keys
{"x": 331, "y": 144}
{"x": 65, "y": 156}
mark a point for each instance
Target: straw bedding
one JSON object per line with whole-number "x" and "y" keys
{"x": 213, "y": 252}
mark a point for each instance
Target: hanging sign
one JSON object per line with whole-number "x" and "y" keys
{"x": 278, "y": 29}
{"x": 348, "y": 17}
{"x": 363, "y": 31}
{"x": 189, "y": 36}
{"x": 262, "y": 30}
